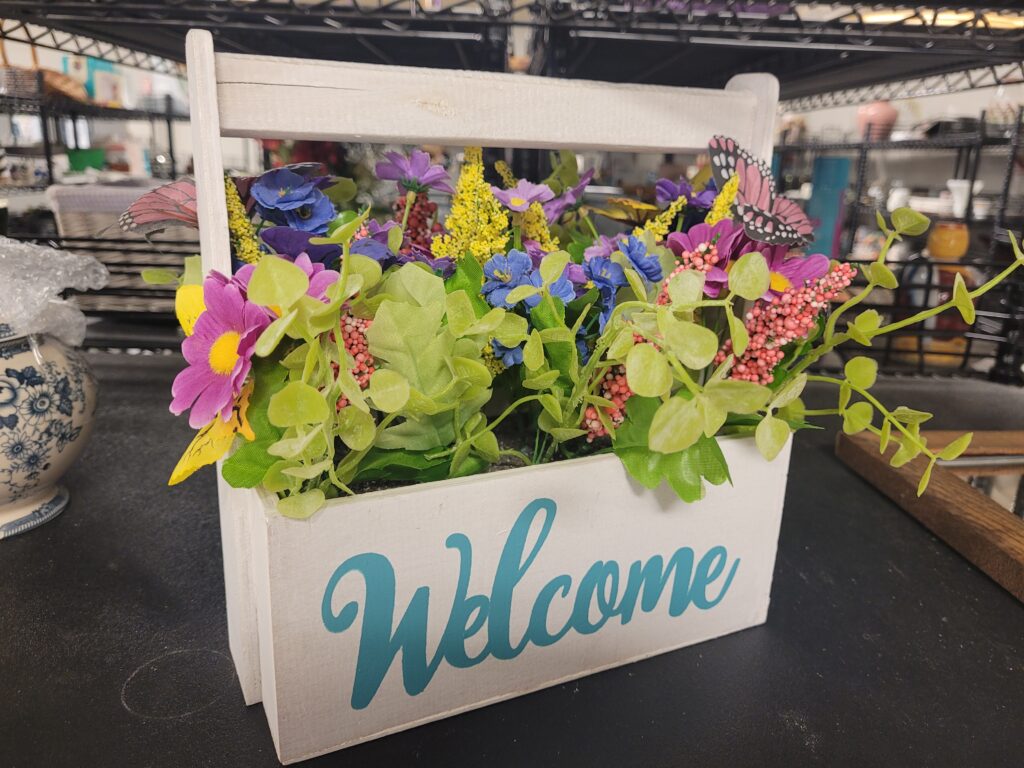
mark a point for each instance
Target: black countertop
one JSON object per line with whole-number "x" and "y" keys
{"x": 882, "y": 647}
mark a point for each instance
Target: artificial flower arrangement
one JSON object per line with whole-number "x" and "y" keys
{"x": 346, "y": 352}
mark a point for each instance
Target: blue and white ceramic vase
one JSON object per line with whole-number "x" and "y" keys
{"x": 47, "y": 403}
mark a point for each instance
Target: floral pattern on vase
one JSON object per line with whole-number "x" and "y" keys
{"x": 47, "y": 401}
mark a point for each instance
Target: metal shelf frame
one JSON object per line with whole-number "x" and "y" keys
{"x": 958, "y": 38}
{"x": 51, "y": 110}
{"x": 19, "y": 31}
{"x": 915, "y": 87}
{"x": 969, "y": 147}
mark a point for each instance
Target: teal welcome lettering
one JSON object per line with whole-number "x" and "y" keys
{"x": 597, "y": 601}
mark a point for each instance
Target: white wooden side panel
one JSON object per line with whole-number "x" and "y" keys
{"x": 214, "y": 246}
{"x": 215, "y": 250}
{"x": 270, "y": 97}
{"x": 238, "y": 509}
{"x": 309, "y": 672}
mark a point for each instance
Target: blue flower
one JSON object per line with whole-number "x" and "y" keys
{"x": 284, "y": 190}
{"x": 582, "y": 348}
{"x": 509, "y": 356}
{"x": 504, "y": 273}
{"x": 313, "y": 217}
{"x": 562, "y": 289}
{"x": 607, "y": 277}
{"x": 646, "y": 264}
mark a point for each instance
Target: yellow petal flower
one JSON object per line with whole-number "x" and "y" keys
{"x": 477, "y": 224}
{"x": 214, "y": 440}
{"x": 188, "y": 306}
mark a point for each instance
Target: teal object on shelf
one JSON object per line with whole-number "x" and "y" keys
{"x": 830, "y": 178}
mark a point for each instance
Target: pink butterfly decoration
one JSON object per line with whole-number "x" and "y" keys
{"x": 765, "y": 217}
{"x": 171, "y": 204}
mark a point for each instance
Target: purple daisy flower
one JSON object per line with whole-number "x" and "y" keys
{"x": 791, "y": 271}
{"x": 668, "y": 191}
{"x": 569, "y": 199}
{"x": 726, "y": 239}
{"x": 604, "y": 246}
{"x": 523, "y": 195}
{"x": 218, "y": 353}
{"x": 320, "y": 278}
{"x": 413, "y": 173}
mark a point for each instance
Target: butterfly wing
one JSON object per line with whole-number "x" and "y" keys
{"x": 784, "y": 224}
{"x": 765, "y": 217}
{"x": 171, "y": 204}
{"x": 723, "y": 156}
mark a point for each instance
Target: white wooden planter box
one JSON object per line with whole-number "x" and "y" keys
{"x": 395, "y": 608}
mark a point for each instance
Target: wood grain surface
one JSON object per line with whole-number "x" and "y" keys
{"x": 970, "y": 522}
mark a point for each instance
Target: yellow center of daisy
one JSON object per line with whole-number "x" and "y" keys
{"x": 224, "y": 353}
{"x": 517, "y": 201}
{"x": 780, "y": 282}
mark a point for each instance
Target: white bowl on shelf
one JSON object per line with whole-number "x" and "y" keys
{"x": 932, "y": 206}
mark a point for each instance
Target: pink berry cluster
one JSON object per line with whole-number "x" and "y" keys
{"x": 772, "y": 325}
{"x": 614, "y": 388}
{"x": 353, "y": 336}
{"x": 702, "y": 259}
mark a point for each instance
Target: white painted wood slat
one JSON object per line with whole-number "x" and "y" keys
{"x": 269, "y": 97}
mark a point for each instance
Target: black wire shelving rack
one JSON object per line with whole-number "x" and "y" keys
{"x": 52, "y": 110}
{"x": 994, "y": 346}
{"x": 813, "y": 47}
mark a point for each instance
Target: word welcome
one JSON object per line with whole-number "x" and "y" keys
{"x": 380, "y": 642}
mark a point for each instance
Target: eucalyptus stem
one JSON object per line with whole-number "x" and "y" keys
{"x": 831, "y": 343}
{"x": 830, "y": 326}
{"x": 517, "y": 454}
{"x": 410, "y": 197}
{"x": 880, "y": 408}
{"x": 590, "y": 225}
{"x": 925, "y": 314}
{"x": 507, "y": 412}
{"x": 354, "y": 457}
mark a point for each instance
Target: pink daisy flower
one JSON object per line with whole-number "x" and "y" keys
{"x": 218, "y": 353}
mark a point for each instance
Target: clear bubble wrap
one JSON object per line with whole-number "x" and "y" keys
{"x": 32, "y": 278}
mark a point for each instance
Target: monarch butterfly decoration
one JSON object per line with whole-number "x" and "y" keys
{"x": 765, "y": 216}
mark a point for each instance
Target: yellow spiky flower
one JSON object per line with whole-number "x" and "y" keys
{"x": 535, "y": 227}
{"x": 722, "y": 207}
{"x": 243, "y": 234}
{"x": 660, "y": 224}
{"x": 507, "y": 177}
{"x": 477, "y": 224}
